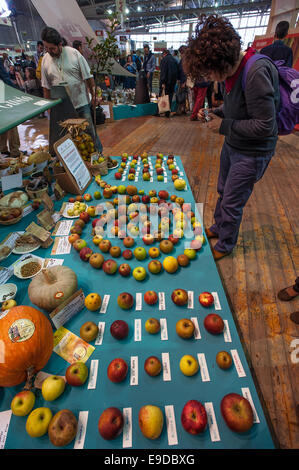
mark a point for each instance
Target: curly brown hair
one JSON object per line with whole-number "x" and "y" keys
{"x": 215, "y": 47}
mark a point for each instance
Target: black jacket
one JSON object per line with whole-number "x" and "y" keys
{"x": 279, "y": 51}
{"x": 168, "y": 71}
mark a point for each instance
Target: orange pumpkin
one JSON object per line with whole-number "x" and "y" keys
{"x": 26, "y": 344}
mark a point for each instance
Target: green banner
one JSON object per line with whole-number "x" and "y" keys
{"x": 17, "y": 107}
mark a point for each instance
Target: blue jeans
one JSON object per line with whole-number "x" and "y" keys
{"x": 237, "y": 176}
{"x": 85, "y": 113}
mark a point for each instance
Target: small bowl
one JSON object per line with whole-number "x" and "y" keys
{"x": 7, "y": 292}
{"x": 18, "y": 266}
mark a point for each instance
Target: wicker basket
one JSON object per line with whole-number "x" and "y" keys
{"x": 12, "y": 221}
{"x": 37, "y": 194}
{"x": 98, "y": 169}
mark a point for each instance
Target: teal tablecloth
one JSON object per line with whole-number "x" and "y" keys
{"x": 201, "y": 275}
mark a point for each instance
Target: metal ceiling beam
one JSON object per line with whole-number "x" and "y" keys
{"x": 90, "y": 12}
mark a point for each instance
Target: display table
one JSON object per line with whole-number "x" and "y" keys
{"x": 171, "y": 389}
{"x": 129, "y": 111}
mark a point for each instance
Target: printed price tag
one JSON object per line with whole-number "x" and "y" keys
{"x": 197, "y": 334}
{"x": 134, "y": 370}
{"x": 205, "y": 377}
{"x": 162, "y": 305}
{"x": 62, "y": 228}
{"x": 68, "y": 309}
{"x": 50, "y": 262}
{"x": 105, "y": 303}
{"x": 137, "y": 330}
{"x": 100, "y": 337}
{"x": 93, "y": 374}
{"x": 81, "y": 432}
{"x": 212, "y": 423}
{"x": 166, "y": 367}
{"x": 61, "y": 246}
{"x": 226, "y": 332}
{"x": 238, "y": 363}
{"x": 171, "y": 425}
{"x": 216, "y": 301}
{"x": 27, "y": 210}
{"x": 190, "y": 299}
{"x": 4, "y": 425}
{"x": 246, "y": 394}
{"x": 164, "y": 332}
{"x": 138, "y": 301}
{"x": 127, "y": 429}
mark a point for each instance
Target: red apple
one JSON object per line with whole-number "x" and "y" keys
{"x": 151, "y": 297}
{"x": 127, "y": 254}
{"x": 128, "y": 242}
{"x": 124, "y": 269}
{"x": 95, "y": 222}
{"x": 237, "y": 412}
{"x": 148, "y": 238}
{"x": 110, "y": 266}
{"x": 145, "y": 199}
{"x": 175, "y": 171}
{"x": 173, "y": 239}
{"x": 194, "y": 417}
{"x": 85, "y": 253}
{"x": 76, "y": 374}
{"x": 118, "y": 176}
{"x": 214, "y": 324}
{"x": 180, "y": 297}
{"x": 119, "y": 329}
{"x": 163, "y": 194}
{"x": 117, "y": 370}
{"x": 153, "y": 366}
{"x": 206, "y": 299}
{"x": 111, "y": 423}
{"x": 159, "y": 171}
{"x": 84, "y": 216}
{"x": 125, "y": 300}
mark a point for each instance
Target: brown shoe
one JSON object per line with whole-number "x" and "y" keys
{"x": 295, "y": 317}
{"x": 218, "y": 254}
{"x": 210, "y": 234}
{"x": 284, "y": 295}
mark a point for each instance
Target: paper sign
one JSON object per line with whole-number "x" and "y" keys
{"x": 216, "y": 301}
{"x": 162, "y": 305}
{"x": 27, "y": 210}
{"x": 127, "y": 429}
{"x": 137, "y": 329}
{"x": 68, "y": 309}
{"x": 4, "y": 425}
{"x": 197, "y": 334}
{"x": 81, "y": 432}
{"x": 205, "y": 377}
{"x": 100, "y": 337}
{"x": 164, "y": 332}
{"x": 212, "y": 423}
{"x": 226, "y": 332}
{"x": 93, "y": 374}
{"x": 190, "y": 299}
{"x": 12, "y": 181}
{"x": 62, "y": 228}
{"x": 105, "y": 303}
{"x": 246, "y": 394}
{"x": 138, "y": 301}
{"x": 134, "y": 370}
{"x": 38, "y": 232}
{"x": 171, "y": 425}
{"x": 166, "y": 367}
{"x": 47, "y": 202}
{"x": 50, "y": 262}
{"x": 238, "y": 363}
{"x": 70, "y": 347}
{"x": 45, "y": 219}
{"x": 61, "y": 246}
{"x": 10, "y": 240}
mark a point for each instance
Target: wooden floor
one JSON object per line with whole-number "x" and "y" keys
{"x": 264, "y": 260}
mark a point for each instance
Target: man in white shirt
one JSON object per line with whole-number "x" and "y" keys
{"x": 65, "y": 66}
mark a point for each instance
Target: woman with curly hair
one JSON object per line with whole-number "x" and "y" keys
{"x": 247, "y": 119}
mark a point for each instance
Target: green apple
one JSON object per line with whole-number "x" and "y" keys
{"x": 140, "y": 253}
{"x": 52, "y": 387}
{"x": 131, "y": 177}
{"x": 22, "y": 403}
{"x": 121, "y": 189}
{"x": 190, "y": 253}
{"x": 97, "y": 195}
{"x": 139, "y": 273}
{"x": 160, "y": 178}
{"x": 38, "y": 421}
{"x": 141, "y": 191}
{"x": 123, "y": 164}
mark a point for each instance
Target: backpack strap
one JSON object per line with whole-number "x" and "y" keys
{"x": 248, "y": 65}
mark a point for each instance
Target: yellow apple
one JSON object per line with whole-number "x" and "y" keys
{"x": 189, "y": 365}
{"x": 22, "y": 403}
{"x": 8, "y": 304}
{"x": 170, "y": 264}
{"x": 179, "y": 184}
{"x": 38, "y": 422}
{"x": 52, "y": 387}
{"x": 97, "y": 239}
{"x": 151, "y": 420}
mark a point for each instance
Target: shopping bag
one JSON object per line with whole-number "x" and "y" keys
{"x": 163, "y": 103}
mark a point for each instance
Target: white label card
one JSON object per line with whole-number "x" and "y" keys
{"x": 162, "y": 305}
{"x": 61, "y": 246}
{"x": 238, "y": 363}
{"x": 134, "y": 370}
{"x": 190, "y": 299}
{"x": 216, "y": 301}
{"x": 137, "y": 329}
{"x": 93, "y": 374}
{"x": 171, "y": 425}
{"x": 164, "y": 332}
{"x": 138, "y": 301}
{"x": 212, "y": 423}
{"x": 100, "y": 337}
{"x": 81, "y": 432}
{"x": 205, "y": 376}
{"x": 166, "y": 367}
{"x": 246, "y": 394}
{"x": 226, "y": 332}
{"x": 197, "y": 334}
{"x": 105, "y": 303}
{"x": 127, "y": 429}
{"x": 4, "y": 425}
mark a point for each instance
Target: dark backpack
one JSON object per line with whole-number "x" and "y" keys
{"x": 288, "y": 113}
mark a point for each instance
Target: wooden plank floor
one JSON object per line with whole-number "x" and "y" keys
{"x": 264, "y": 260}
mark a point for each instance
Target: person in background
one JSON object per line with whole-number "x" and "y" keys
{"x": 290, "y": 293}
{"x": 137, "y": 61}
{"x": 65, "y": 66}
{"x": 64, "y": 42}
{"x": 149, "y": 66}
{"x": 278, "y": 50}
{"x": 12, "y": 75}
{"x": 6, "y": 62}
{"x": 78, "y": 45}
{"x": 247, "y": 119}
{"x": 176, "y": 56}
{"x": 39, "y": 52}
{"x": 31, "y": 84}
{"x": 130, "y": 82}
{"x": 182, "y": 88}
{"x": 199, "y": 94}
{"x": 168, "y": 76}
